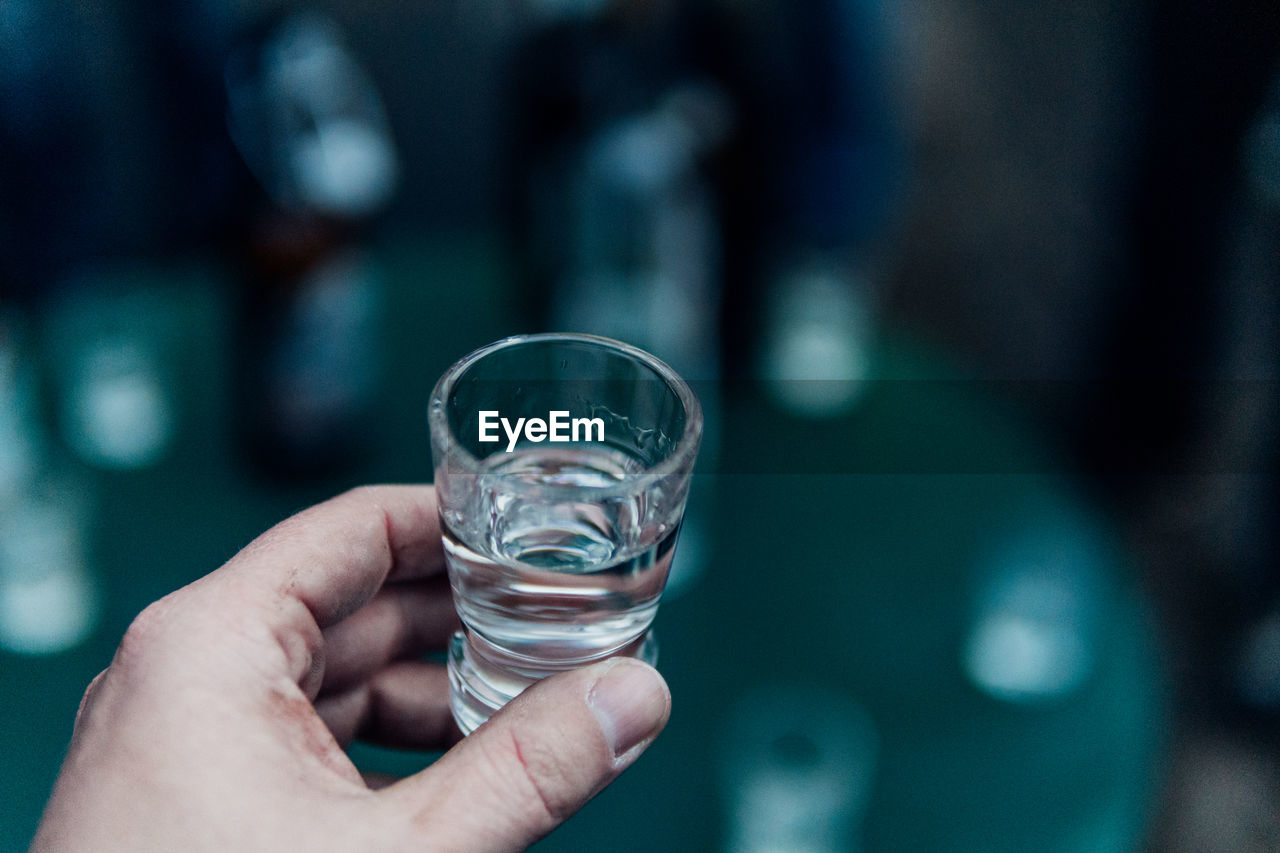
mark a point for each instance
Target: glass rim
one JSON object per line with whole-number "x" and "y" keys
{"x": 681, "y": 457}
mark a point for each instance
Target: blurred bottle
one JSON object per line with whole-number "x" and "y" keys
{"x": 618, "y": 121}
{"x": 770, "y": 132}
{"x": 615, "y": 119}
{"x": 310, "y": 125}
{"x": 797, "y": 766}
{"x": 1033, "y": 635}
{"x": 816, "y": 352}
{"x": 111, "y": 343}
{"x": 834, "y": 158}
{"x": 643, "y": 261}
{"x": 48, "y": 601}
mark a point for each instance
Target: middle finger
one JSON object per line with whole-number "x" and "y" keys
{"x": 401, "y": 621}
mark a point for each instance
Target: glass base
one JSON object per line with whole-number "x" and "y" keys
{"x": 482, "y": 678}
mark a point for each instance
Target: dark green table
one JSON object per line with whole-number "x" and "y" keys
{"x": 843, "y": 562}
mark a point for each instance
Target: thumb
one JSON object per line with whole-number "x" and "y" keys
{"x": 539, "y": 759}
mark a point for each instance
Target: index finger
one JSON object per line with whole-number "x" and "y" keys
{"x": 334, "y": 556}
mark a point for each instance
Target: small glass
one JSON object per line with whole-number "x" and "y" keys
{"x": 562, "y": 466}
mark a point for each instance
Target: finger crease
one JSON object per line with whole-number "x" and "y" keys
{"x": 554, "y": 814}
{"x": 388, "y": 534}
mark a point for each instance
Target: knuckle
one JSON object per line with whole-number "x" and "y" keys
{"x": 147, "y": 631}
{"x": 360, "y": 494}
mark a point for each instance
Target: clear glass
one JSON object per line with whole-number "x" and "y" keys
{"x": 558, "y": 540}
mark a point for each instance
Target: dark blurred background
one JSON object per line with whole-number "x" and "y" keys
{"x": 981, "y": 300}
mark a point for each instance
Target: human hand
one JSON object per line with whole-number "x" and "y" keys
{"x": 220, "y": 722}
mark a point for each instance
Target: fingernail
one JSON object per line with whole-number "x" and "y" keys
{"x": 630, "y": 701}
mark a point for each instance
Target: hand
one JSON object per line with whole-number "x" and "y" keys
{"x": 220, "y": 722}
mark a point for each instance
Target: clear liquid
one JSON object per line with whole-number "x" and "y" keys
{"x": 547, "y": 585}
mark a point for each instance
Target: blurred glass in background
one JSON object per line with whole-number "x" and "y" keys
{"x": 981, "y": 301}
{"x": 48, "y": 600}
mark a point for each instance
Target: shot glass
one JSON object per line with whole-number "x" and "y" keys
{"x": 562, "y": 465}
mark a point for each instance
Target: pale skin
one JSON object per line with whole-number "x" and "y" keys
{"x": 221, "y": 721}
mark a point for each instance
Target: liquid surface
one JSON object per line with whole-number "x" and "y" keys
{"x": 547, "y": 584}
